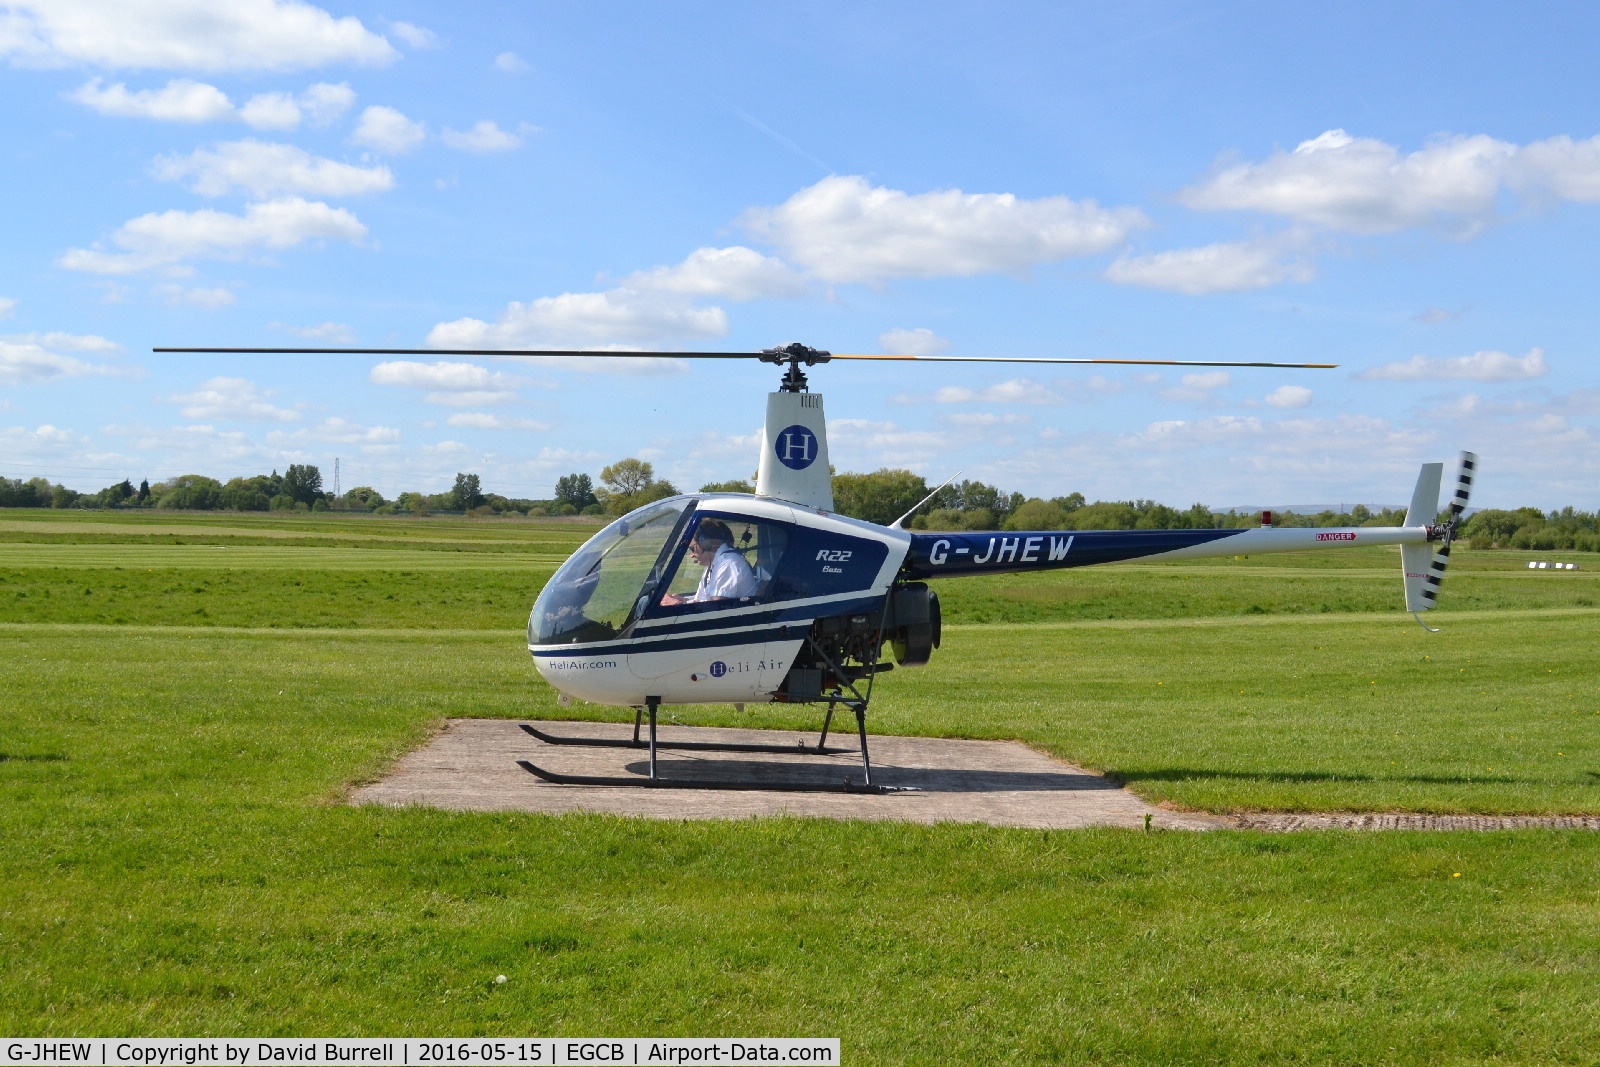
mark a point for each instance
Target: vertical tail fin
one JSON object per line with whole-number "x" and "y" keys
{"x": 1416, "y": 560}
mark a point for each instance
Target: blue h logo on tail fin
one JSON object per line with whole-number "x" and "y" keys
{"x": 795, "y": 447}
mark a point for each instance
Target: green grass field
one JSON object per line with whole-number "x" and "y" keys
{"x": 178, "y": 723}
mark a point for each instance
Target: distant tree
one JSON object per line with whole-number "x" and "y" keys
{"x": 1036, "y": 514}
{"x": 575, "y": 491}
{"x": 144, "y": 490}
{"x": 882, "y": 496}
{"x": 627, "y": 476}
{"x": 1105, "y": 515}
{"x": 467, "y": 493}
{"x": 1493, "y": 526}
{"x": 302, "y": 483}
{"x": 16, "y": 493}
{"x": 628, "y": 484}
{"x": 114, "y": 495}
{"x": 190, "y": 492}
{"x": 248, "y": 494}
{"x": 364, "y": 496}
{"x": 735, "y": 486}
{"x": 1069, "y": 503}
{"x": 1157, "y": 517}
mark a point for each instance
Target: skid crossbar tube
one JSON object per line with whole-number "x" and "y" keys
{"x": 702, "y": 746}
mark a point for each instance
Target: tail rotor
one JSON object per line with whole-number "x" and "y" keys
{"x": 1422, "y": 596}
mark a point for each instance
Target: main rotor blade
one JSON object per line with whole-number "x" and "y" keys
{"x": 462, "y": 352}
{"x": 727, "y": 355}
{"x": 1058, "y": 359}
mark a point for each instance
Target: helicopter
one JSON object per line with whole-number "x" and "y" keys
{"x": 818, "y": 597}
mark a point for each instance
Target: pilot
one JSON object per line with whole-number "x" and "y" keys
{"x": 727, "y": 577}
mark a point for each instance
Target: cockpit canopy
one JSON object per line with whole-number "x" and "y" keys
{"x": 641, "y": 567}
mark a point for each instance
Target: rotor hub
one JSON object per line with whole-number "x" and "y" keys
{"x": 794, "y": 354}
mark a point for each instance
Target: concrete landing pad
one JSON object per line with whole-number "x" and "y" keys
{"x": 472, "y": 766}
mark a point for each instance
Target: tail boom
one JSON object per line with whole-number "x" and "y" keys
{"x": 940, "y": 555}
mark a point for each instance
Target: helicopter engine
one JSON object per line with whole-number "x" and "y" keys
{"x": 846, "y": 648}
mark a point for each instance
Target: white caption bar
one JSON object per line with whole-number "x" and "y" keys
{"x": 421, "y": 1052}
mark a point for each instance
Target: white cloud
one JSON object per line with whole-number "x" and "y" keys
{"x": 865, "y": 444}
{"x": 485, "y": 136}
{"x": 332, "y": 332}
{"x": 511, "y": 63}
{"x": 1289, "y": 396}
{"x": 1218, "y": 268}
{"x": 325, "y": 101}
{"x": 1485, "y": 366}
{"x": 988, "y": 418}
{"x": 1465, "y": 406}
{"x": 1014, "y": 391}
{"x": 1569, "y": 169}
{"x": 439, "y": 375}
{"x": 267, "y": 169}
{"x": 231, "y": 398}
{"x": 587, "y": 320}
{"x": 26, "y": 361}
{"x": 181, "y": 100}
{"x": 198, "y": 35}
{"x": 1196, "y": 388}
{"x": 157, "y": 240}
{"x": 1308, "y": 436}
{"x": 449, "y": 383}
{"x": 415, "y": 36}
{"x": 482, "y": 420}
{"x": 1437, "y": 315}
{"x": 472, "y": 398}
{"x": 178, "y": 296}
{"x": 388, "y": 130}
{"x": 184, "y": 100}
{"x": 336, "y": 431}
{"x": 918, "y": 342}
{"x": 66, "y": 342}
{"x": 271, "y": 111}
{"x": 737, "y": 273}
{"x": 1363, "y": 185}
{"x": 7, "y": 306}
{"x": 843, "y": 229}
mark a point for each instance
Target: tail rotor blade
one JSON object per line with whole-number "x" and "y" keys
{"x": 1469, "y": 468}
{"x": 1441, "y": 556}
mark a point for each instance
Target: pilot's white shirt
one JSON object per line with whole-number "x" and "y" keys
{"x": 728, "y": 576}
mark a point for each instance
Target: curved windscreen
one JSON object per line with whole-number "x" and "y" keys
{"x": 596, "y": 592}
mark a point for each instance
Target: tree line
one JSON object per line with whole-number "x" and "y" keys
{"x": 881, "y": 496}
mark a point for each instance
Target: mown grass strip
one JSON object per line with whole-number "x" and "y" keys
{"x": 176, "y": 863}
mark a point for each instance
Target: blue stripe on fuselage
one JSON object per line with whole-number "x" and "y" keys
{"x": 935, "y": 555}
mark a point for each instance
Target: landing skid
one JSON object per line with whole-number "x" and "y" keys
{"x": 845, "y": 786}
{"x": 856, "y": 703}
{"x": 702, "y": 746}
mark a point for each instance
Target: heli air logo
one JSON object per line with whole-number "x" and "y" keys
{"x": 1336, "y": 537}
{"x": 718, "y": 669}
{"x": 795, "y": 447}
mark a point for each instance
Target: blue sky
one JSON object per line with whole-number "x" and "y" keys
{"x": 1410, "y": 191}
